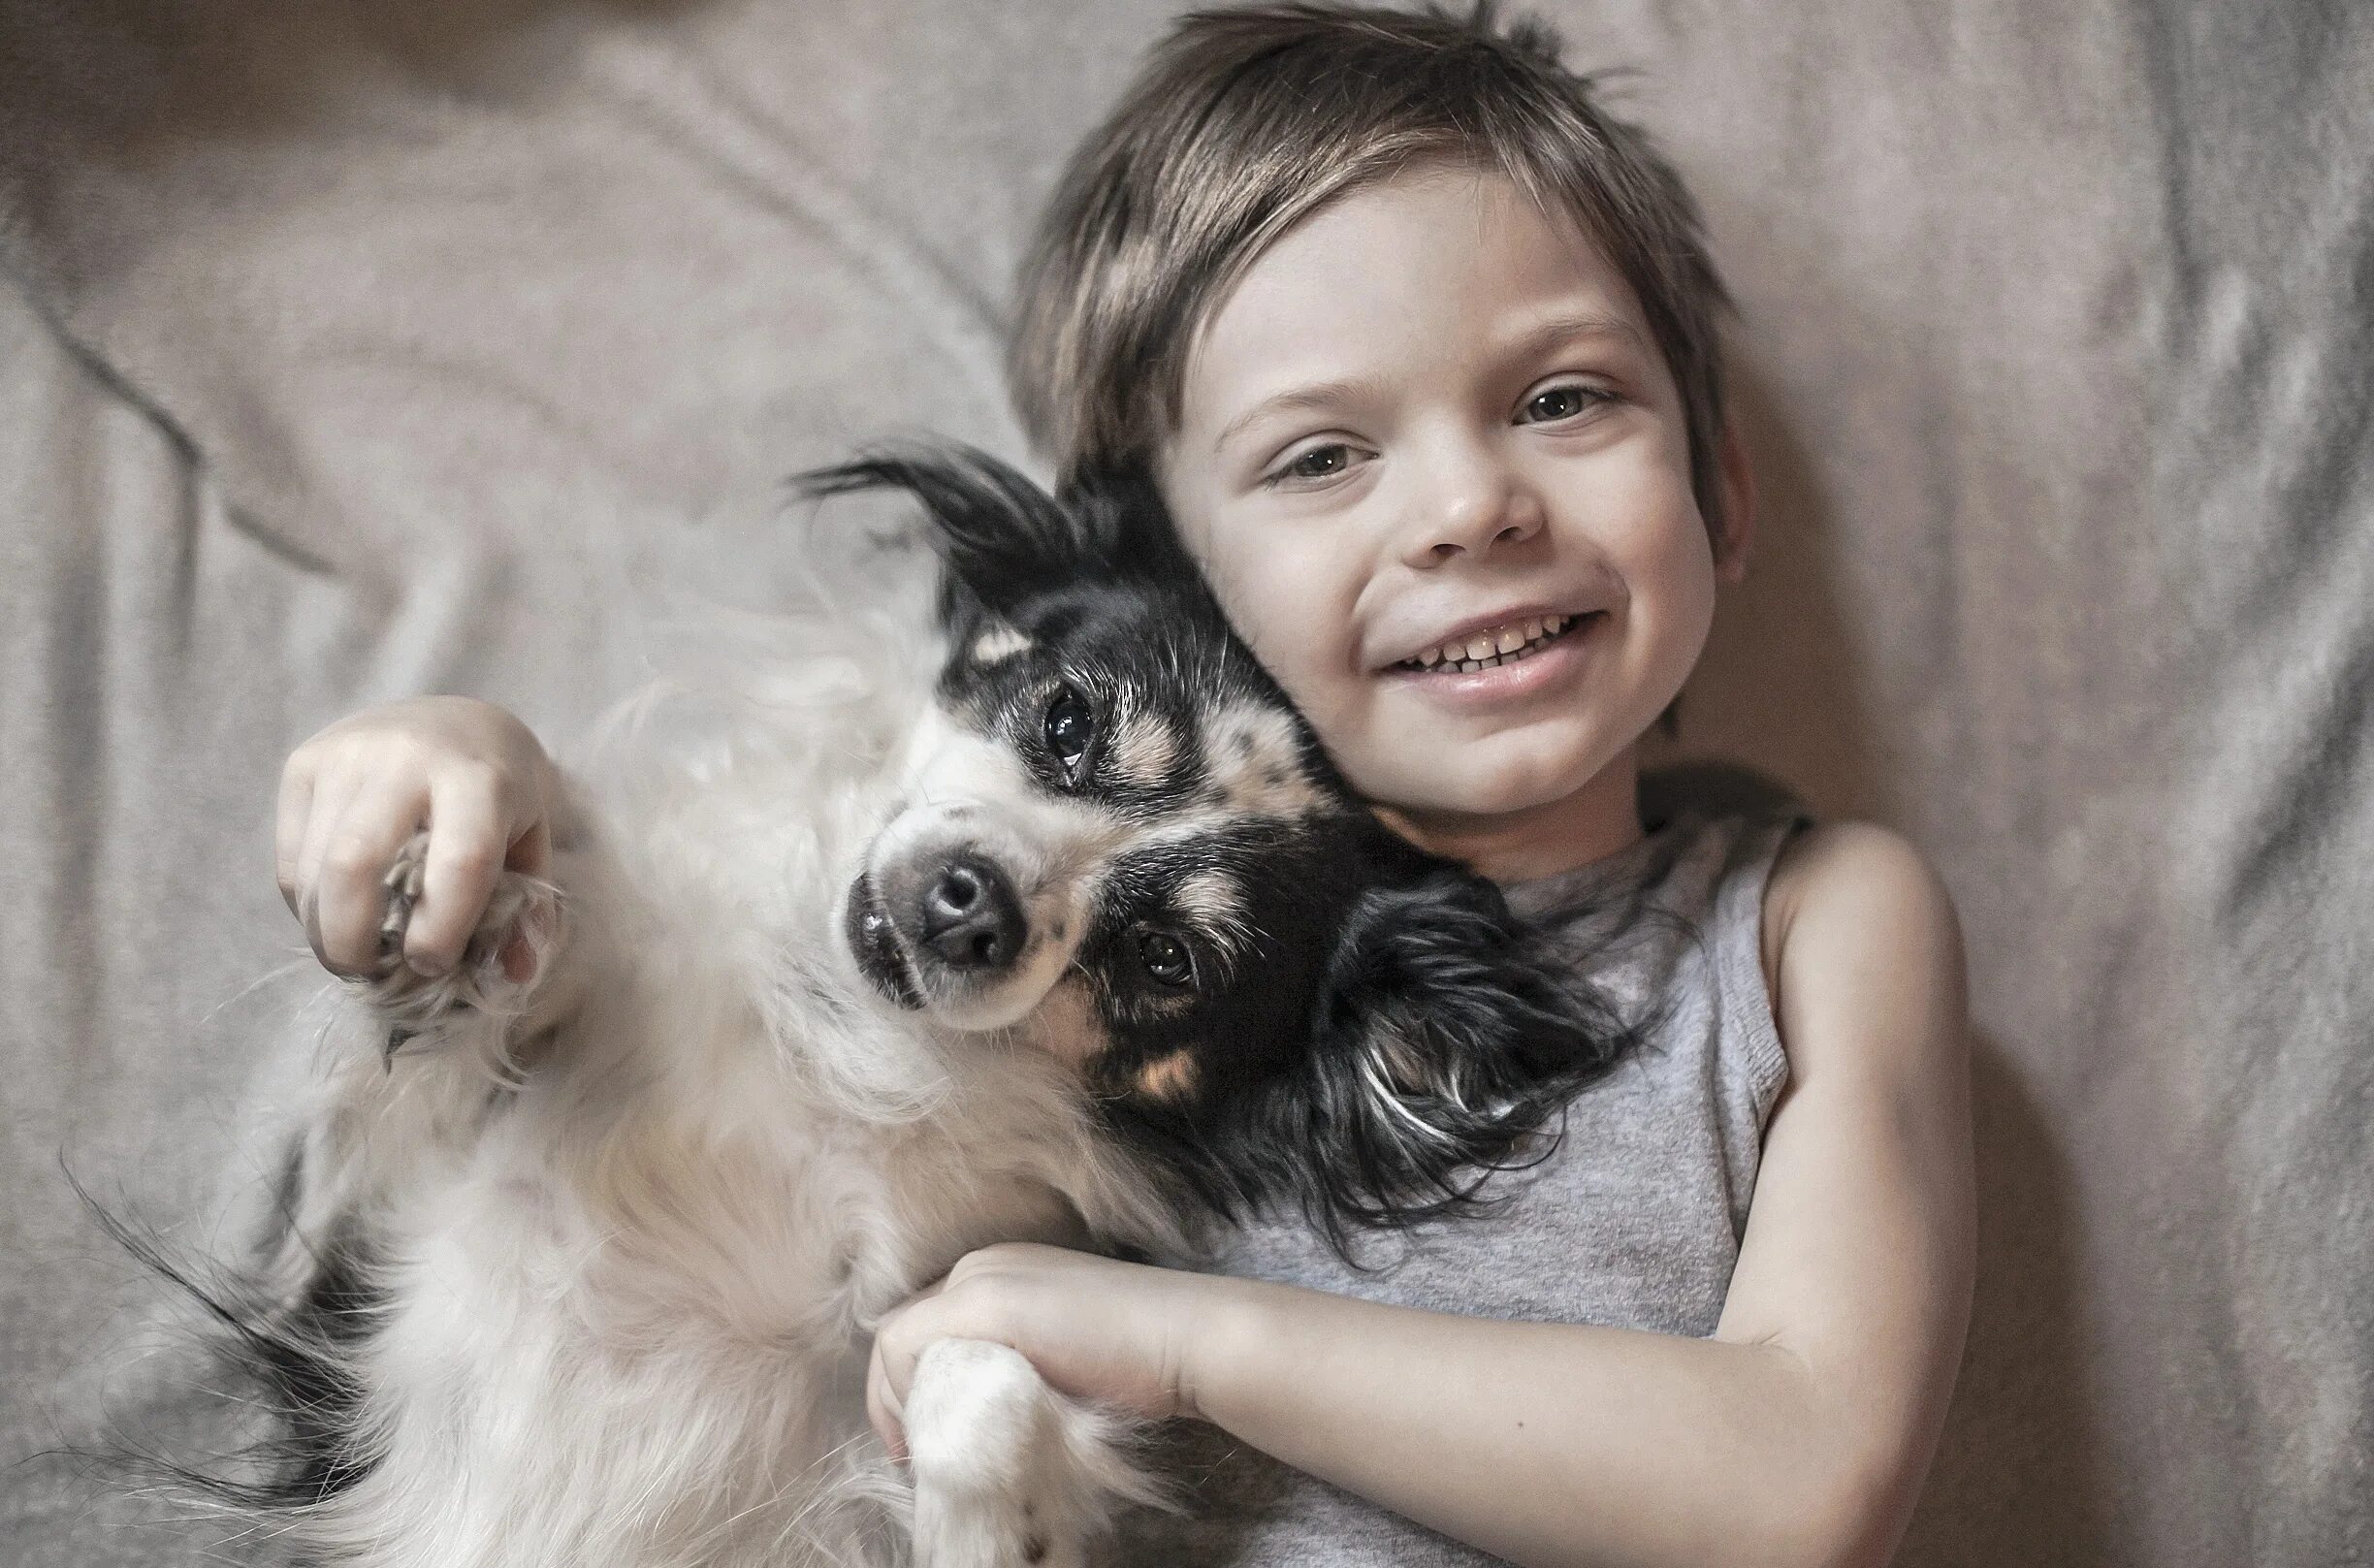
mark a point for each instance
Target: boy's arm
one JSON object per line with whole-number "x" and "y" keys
{"x": 1798, "y": 1434}
{"x": 1801, "y": 1431}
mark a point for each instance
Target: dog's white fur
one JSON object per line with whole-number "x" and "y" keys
{"x": 635, "y": 1217}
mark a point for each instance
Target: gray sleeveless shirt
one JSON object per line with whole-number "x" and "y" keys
{"x": 1633, "y": 1221}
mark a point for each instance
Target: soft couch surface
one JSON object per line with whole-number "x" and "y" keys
{"x": 352, "y": 348}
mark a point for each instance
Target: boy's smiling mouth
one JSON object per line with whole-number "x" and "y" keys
{"x": 1491, "y": 647}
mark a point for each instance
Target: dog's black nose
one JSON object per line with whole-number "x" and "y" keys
{"x": 970, "y": 916}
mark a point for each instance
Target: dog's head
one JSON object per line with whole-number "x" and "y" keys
{"x": 1117, "y": 839}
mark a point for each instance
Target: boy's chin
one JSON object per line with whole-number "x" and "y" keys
{"x": 1481, "y": 783}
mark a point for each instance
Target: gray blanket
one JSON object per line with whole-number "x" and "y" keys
{"x": 351, "y": 348}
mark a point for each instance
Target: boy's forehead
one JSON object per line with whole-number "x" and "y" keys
{"x": 1422, "y": 275}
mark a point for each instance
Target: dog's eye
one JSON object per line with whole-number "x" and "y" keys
{"x": 1070, "y": 726}
{"x": 1165, "y": 957}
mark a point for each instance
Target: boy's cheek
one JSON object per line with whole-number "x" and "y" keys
{"x": 1247, "y": 587}
{"x": 1293, "y": 643}
{"x": 1279, "y": 603}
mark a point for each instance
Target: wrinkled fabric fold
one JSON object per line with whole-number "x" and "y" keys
{"x": 355, "y": 349}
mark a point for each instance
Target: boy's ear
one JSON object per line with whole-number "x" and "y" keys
{"x": 1000, "y": 539}
{"x": 1740, "y": 501}
{"x": 1445, "y": 1042}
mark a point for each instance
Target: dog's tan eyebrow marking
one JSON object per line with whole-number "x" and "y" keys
{"x": 1168, "y": 1077}
{"x": 1142, "y": 750}
{"x": 1256, "y": 764}
{"x": 1210, "y": 896}
{"x": 1214, "y": 901}
{"x": 999, "y": 642}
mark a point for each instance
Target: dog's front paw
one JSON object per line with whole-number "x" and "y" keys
{"x": 507, "y": 953}
{"x": 994, "y": 1486}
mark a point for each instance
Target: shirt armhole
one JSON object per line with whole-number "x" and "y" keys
{"x": 1746, "y": 994}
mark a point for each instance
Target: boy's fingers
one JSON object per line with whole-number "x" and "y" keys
{"x": 332, "y": 798}
{"x": 350, "y": 897}
{"x": 290, "y": 815}
{"x": 466, "y": 854}
{"x": 899, "y": 1340}
{"x": 532, "y": 853}
{"x": 881, "y": 1408}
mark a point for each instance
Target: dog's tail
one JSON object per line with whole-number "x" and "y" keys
{"x": 286, "y": 1368}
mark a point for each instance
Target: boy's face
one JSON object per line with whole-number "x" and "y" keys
{"x": 1429, "y": 429}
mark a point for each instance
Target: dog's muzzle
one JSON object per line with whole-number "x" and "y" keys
{"x": 968, "y": 918}
{"x": 938, "y": 925}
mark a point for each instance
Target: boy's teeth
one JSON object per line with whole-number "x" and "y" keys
{"x": 1493, "y": 646}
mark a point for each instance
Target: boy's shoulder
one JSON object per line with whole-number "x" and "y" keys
{"x": 1854, "y": 907}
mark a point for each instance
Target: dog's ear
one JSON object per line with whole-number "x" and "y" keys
{"x": 1447, "y": 1044}
{"x": 1124, "y": 508}
{"x": 1001, "y": 538}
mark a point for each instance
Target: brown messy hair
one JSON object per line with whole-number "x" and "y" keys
{"x": 1244, "y": 121}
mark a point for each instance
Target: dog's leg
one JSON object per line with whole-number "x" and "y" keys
{"x": 1008, "y": 1472}
{"x": 434, "y": 1052}
{"x": 506, "y": 963}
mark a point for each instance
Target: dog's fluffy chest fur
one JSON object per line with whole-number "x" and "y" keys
{"x": 623, "y": 1286}
{"x": 626, "y": 1312}
{"x": 1059, "y": 928}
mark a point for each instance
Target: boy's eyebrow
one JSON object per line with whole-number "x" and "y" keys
{"x": 1319, "y": 393}
{"x": 1539, "y": 339}
{"x": 1579, "y": 324}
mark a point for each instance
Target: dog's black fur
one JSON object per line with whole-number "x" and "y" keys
{"x": 1487, "y": 1041}
{"x": 1387, "y": 1038}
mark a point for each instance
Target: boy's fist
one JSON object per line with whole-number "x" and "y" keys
{"x": 351, "y": 797}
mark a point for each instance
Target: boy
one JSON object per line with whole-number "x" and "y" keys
{"x": 1420, "y": 346}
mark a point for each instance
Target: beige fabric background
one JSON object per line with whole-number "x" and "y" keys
{"x": 350, "y": 348}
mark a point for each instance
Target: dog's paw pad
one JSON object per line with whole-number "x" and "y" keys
{"x": 506, "y": 954}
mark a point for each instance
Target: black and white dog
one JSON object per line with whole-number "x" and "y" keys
{"x": 1056, "y": 926}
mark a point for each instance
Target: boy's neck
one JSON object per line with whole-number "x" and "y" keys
{"x": 1597, "y": 821}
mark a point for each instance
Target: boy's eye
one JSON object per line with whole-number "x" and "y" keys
{"x": 1561, "y": 402}
{"x": 1319, "y": 462}
{"x": 1165, "y": 957}
{"x": 1071, "y": 727}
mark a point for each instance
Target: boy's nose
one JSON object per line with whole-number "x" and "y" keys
{"x": 1482, "y": 507}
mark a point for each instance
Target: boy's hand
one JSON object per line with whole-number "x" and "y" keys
{"x": 351, "y": 797}
{"x": 1095, "y": 1328}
